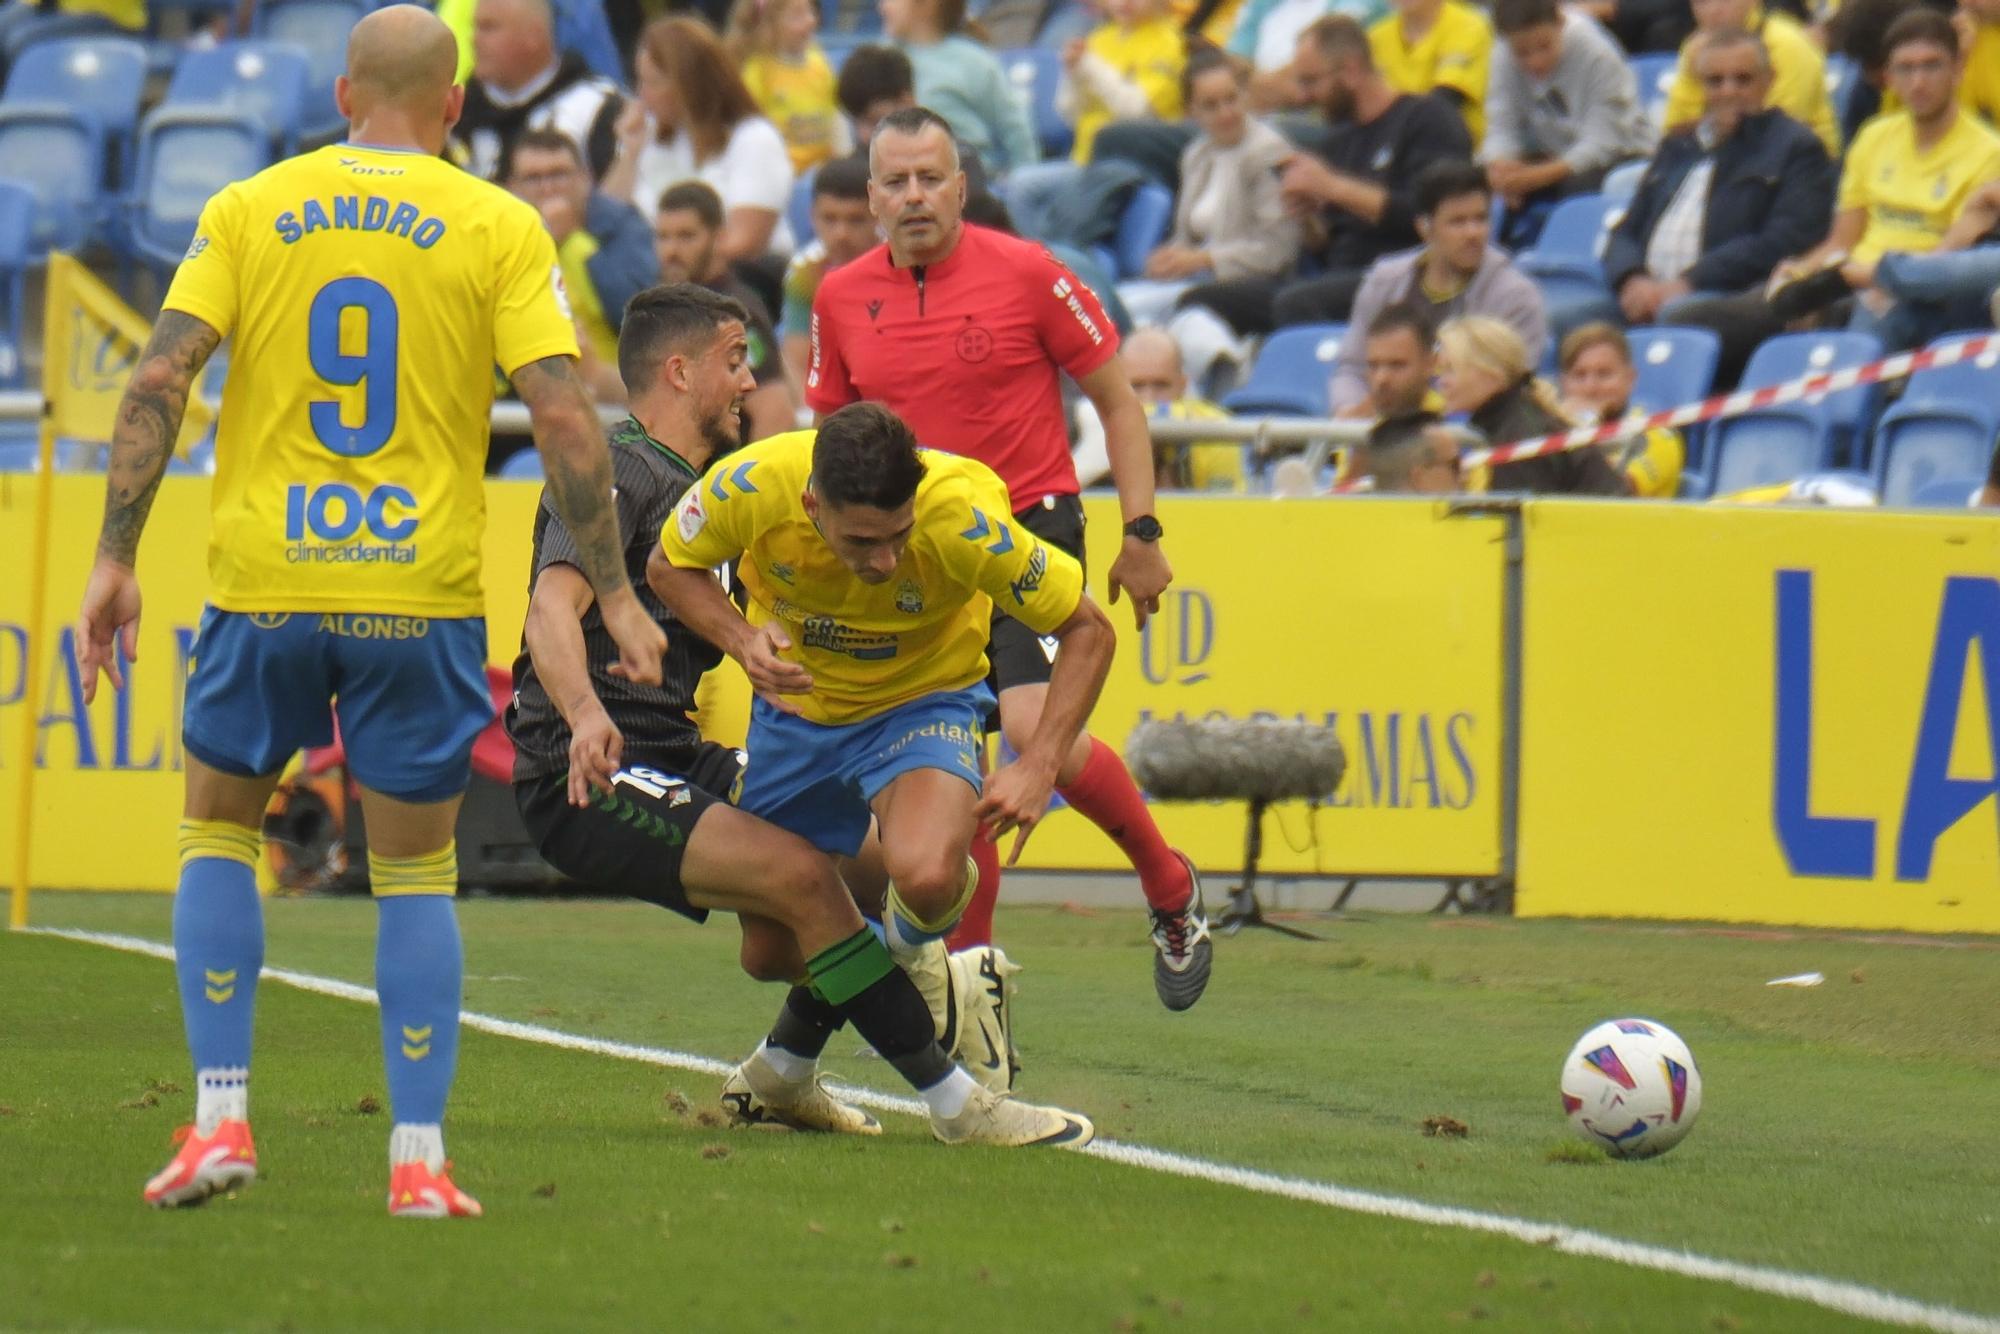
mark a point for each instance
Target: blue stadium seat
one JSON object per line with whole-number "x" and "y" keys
{"x": 798, "y": 210}
{"x": 1843, "y": 77}
{"x": 265, "y": 81}
{"x": 1291, "y": 373}
{"x": 838, "y": 46}
{"x": 59, "y": 155}
{"x": 1036, "y": 74}
{"x": 1622, "y": 182}
{"x": 17, "y": 253}
{"x": 1673, "y": 365}
{"x": 1571, "y": 243}
{"x": 19, "y": 455}
{"x": 1845, "y": 417}
{"x": 1970, "y": 381}
{"x": 11, "y": 364}
{"x": 1762, "y": 448}
{"x": 1148, "y": 216}
{"x": 1655, "y": 75}
{"x": 1921, "y": 444}
{"x": 185, "y": 156}
{"x": 319, "y": 28}
{"x": 1953, "y": 493}
{"x": 101, "y": 78}
{"x": 522, "y": 466}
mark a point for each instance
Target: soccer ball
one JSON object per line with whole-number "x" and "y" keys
{"x": 1630, "y": 1086}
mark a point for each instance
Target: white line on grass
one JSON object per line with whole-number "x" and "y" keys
{"x": 1833, "y": 1294}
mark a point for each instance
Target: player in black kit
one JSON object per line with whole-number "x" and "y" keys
{"x": 621, "y": 794}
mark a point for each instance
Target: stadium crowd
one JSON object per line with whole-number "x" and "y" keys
{"x": 1422, "y": 207}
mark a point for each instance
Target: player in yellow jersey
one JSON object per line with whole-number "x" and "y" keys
{"x": 872, "y": 569}
{"x": 370, "y": 288}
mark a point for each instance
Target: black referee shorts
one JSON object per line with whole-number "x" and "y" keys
{"x": 1018, "y": 656}
{"x": 629, "y": 843}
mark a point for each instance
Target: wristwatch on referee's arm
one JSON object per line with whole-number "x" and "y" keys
{"x": 1146, "y": 528}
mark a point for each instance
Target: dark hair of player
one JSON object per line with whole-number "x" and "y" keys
{"x": 1441, "y": 182}
{"x": 873, "y": 73}
{"x": 865, "y": 454}
{"x": 696, "y": 197}
{"x": 666, "y": 320}
{"x": 842, "y": 178}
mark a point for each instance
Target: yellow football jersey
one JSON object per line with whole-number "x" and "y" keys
{"x": 872, "y": 647}
{"x": 369, "y": 293}
{"x": 1454, "y": 54}
{"x": 799, "y": 99}
{"x": 1913, "y": 197}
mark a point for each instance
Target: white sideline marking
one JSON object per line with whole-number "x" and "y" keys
{"x": 1833, "y": 1294}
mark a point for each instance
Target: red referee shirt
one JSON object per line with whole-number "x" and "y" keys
{"x": 966, "y": 351}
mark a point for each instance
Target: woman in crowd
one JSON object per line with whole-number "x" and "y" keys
{"x": 1229, "y": 221}
{"x": 788, "y": 74}
{"x": 1483, "y": 372}
{"x": 694, "y": 119}
{"x": 962, "y": 81}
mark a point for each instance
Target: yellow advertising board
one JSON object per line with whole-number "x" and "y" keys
{"x": 1779, "y": 716}
{"x": 1380, "y": 617}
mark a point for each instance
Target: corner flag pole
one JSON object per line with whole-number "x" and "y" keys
{"x": 31, "y": 672}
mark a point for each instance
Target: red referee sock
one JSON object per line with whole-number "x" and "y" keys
{"x": 1106, "y": 794}
{"x": 975, "y": 925}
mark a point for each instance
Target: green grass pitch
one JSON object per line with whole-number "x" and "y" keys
{"x": 1848, "y": 1132}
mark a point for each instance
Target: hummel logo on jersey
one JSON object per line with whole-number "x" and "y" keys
{"x": 874, "y": 309}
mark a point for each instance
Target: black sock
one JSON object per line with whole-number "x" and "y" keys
{"x": 892, "y": 1016}
{"x": 805, "y": 1024}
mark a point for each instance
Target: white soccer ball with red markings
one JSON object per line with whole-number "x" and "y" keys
{"x": 1630, "y": 1087}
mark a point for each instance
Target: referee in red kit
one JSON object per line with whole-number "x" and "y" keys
{"x": 962, "y": 331}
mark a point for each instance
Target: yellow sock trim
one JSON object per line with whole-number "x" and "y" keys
{"x": 218, "y": 838}
{"x": 950, "y": 916}
{"x": 428, "y": 873}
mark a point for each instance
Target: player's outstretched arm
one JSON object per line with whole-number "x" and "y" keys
{"x": 142, "y": 440}
{"x": 1017, "y": 795}
{"x": 1141, "y": 568}
{"x": 553, "y": 633}
{"x": 698, "y": 602}
{"x": 578, "y": 467}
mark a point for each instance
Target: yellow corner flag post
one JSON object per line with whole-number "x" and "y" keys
{"x": 91, "y": 341}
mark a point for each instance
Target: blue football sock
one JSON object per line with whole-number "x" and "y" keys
{"x": 218, "y": 942}
{"x": 419, "y": 975}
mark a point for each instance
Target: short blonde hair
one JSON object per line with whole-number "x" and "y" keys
{"x": 1482, "y": 343}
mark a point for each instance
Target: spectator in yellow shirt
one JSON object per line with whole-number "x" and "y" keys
{"x": 1979, "y": 34}
{"x": 1437, "y": 46}
{"x": 1798, "y": 86}
{"x": 1910, "y": 180}
{"x": 788, "y": 75}
{"x": 1597, "y": 381}
{"x": 1130, "y": 65}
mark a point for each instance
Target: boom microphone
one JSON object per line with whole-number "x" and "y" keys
{"x": 1250, "y": 759}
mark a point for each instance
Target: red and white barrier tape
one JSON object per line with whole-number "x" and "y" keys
{"x": 1743, "y": 400}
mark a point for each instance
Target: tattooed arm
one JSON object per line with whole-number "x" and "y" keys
{"x": 571, "y": 441}
{"x": 142, "y": 439}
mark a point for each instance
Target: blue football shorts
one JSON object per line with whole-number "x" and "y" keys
{"x": 817, "y": 780}
{"x": 410, "y": 693}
